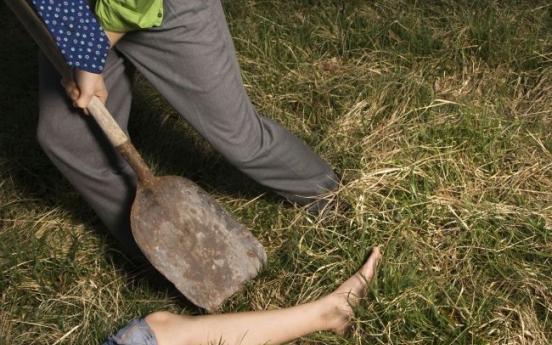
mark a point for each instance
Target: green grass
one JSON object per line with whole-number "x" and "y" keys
{"x": 437, "y": 114}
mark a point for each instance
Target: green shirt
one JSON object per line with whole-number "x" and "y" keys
{"x": 129, "y": 15}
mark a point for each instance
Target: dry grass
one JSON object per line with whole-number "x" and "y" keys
{"x": 437, "y": 114}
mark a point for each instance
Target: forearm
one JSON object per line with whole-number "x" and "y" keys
{"x": 76, "y": 33}
{"x": 84, "y": 37}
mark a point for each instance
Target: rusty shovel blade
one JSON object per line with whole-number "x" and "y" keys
{"x": 193, "y": 241}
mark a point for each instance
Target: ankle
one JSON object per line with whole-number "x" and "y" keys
{"x": 337, "y": 313}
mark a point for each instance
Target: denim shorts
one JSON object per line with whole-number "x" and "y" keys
{"x": 136, "y": 332}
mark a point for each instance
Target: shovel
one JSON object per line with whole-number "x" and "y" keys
{"x": 182, "y": 230}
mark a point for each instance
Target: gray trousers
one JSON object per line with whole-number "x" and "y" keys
{"x": 191, "y": 60}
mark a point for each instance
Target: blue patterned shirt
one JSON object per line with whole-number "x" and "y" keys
{"x": 76, "y": 31}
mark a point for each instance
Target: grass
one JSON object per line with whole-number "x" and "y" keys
{"x": 436, "y": 113}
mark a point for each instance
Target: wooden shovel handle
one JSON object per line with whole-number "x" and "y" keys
{"x": 27, "y": 16}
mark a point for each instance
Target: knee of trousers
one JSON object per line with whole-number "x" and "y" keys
{"x": 48, "y": 138}
{"x": 60, "y": 143}
{"x": 70, "y": 150}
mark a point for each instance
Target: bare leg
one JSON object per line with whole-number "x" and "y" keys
{"x": 330, "y": 313}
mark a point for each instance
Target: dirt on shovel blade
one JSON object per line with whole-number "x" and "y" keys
{"x": 193, "y": 242}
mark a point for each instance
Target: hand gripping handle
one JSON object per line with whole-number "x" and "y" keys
{"x": 30, "y": 20}
{"x": 36, "y": 29}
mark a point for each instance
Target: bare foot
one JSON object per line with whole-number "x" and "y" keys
{"x": 348, "y": 294}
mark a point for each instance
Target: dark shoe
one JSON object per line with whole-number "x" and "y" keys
{"x": 325, "y": 208}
